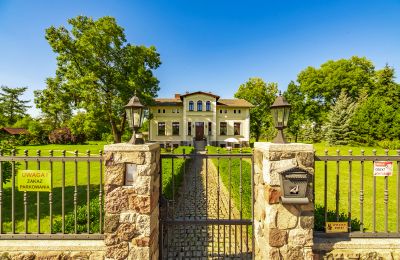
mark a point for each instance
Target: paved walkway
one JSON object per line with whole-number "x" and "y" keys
{"x": 203, "y": 196}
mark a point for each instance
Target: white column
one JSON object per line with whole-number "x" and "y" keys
{"x": 184, "y": 128}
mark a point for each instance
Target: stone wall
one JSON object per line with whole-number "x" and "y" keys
{"x": 332, "y": 248}
{"x": 282, "y": 231}
{"x": 51, "y": 249}
{"x": 131, "y": 219}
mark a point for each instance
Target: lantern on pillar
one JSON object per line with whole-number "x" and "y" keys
{"x": 135, "y": 115}
{"x": 280, "y": 110}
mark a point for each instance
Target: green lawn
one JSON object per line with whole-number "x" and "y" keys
{"x": 82, "y": 176}
{"x": 356, "y": 180}
{"x": 169, "y": 185}
{"x": 94, "y": 147}
{"x": 230, "y": 176}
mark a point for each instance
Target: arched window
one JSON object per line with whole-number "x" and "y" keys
{"x": 199, "y": 105}
{"x": 208, "y": 106}
{"x": 191, "y": 105}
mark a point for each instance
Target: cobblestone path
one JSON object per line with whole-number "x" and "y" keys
{"x": 199, "y": 200}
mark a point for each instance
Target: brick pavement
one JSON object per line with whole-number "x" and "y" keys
{"x": 203, "y": 196}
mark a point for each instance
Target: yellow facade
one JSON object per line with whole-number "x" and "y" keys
{"x": 194, "y": 124}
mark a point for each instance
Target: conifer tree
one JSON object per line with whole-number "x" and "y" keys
{"x": 11, "y": 106}
{"x": 339, "y": 130}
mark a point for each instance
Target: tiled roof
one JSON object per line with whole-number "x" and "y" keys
{"x": 15, "y": 131}
{"x": 234, "y": 103}
{"x": 167, "y": 102}
{"x": 221, "y": 102}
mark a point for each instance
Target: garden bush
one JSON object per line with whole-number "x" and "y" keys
{"x": 319, "y": 219}
{"x": 391, "y": 145}
{"x": 81, "y": 217}
{"x": 6, "y": 147}
{"x": 65, "y": 136}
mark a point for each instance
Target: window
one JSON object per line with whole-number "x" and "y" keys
{"x": 222, "y": 128}
{"x": 191, "y": 106}
{"x": 163, "y": 111}
{"x": 208, "y": 106}
{"x": 239, "y": 111}
{"x": 199, "y": 105}
{"x": 236, "y": 128}
{"x": 189, "y": 128}
{"x": 234, "y": 111}
{"x": 177, "y": 111}
{"x": 159, "y": 111}
{"x": 161, "y": 128}
{"x": 209, "y": 128}
{"x": 175, "y": 128}
{"x": 226, "y": 111}
{"x": 220, "y": 111}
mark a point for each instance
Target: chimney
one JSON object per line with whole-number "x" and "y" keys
{"x": 177, "y": 96}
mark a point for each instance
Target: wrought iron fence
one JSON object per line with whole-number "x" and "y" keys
{"x": 200, "y": 217}
{"x": 370, "y": 204}
{"x": 71, "y": 209}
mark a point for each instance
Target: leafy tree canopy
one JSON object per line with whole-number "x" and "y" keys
{"x": 98, "y": 71}
{"x": 261, "y": 95}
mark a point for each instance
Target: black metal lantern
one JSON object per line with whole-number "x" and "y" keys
{"x": 280, "y": 110}
{"x": 135, "y": 114}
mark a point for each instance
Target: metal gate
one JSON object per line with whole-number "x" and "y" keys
{"x": 206, "y": 206}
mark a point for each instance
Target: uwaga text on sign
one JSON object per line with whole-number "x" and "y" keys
{"x": 34, "y": 180}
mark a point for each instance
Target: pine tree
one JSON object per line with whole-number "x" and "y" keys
{"x": 339, "y": 130}
{"x": 11, "y": 106}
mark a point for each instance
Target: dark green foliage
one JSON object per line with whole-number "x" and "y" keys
{"x": 11, "y": 106}
{"x": 97, "y": 72}
{"x": 339, "y": 131}
{"x": 81, "y": 219}
{"x": 261, "y": 95}
{"x": 376, "y": 119}
{"x": 370, "y": 111}
{"x": 296, "y": 118}
{"x": 319, "y": 219}
{"x": 6, "y": 148}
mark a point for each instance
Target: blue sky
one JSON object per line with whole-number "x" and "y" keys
{"x": 209, "y": 45}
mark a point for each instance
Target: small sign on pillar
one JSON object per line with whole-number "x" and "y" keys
{"x": 130, "y": 173}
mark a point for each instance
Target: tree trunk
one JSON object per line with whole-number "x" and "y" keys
{"x": 116, "y": 133}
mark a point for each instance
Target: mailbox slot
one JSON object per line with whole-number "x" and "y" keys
{"x": 294, "y": 183}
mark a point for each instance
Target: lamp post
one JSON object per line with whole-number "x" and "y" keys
{"x": 135, "y": 114}
{"x": 280, "y": 110}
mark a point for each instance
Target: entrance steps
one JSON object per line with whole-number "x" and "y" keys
{"x": 200, "y": 145}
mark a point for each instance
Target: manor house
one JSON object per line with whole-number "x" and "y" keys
{"x": 200, "y": 116}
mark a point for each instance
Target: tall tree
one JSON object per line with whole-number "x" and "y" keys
{"x": 322, "y": 86}
{"x": 12, "y": 106}
{"x": 339, "y": 131}
{"x": 98, "y": 71}
{"x": 261, "y": 95}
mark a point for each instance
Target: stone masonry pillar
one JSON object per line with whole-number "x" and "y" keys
{"x": 282, "y": 231}
{"x": 131, "y": 204}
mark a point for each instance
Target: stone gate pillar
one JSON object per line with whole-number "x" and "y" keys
{"x": 131, "y": 201}
{"x": 282, "y": 231}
